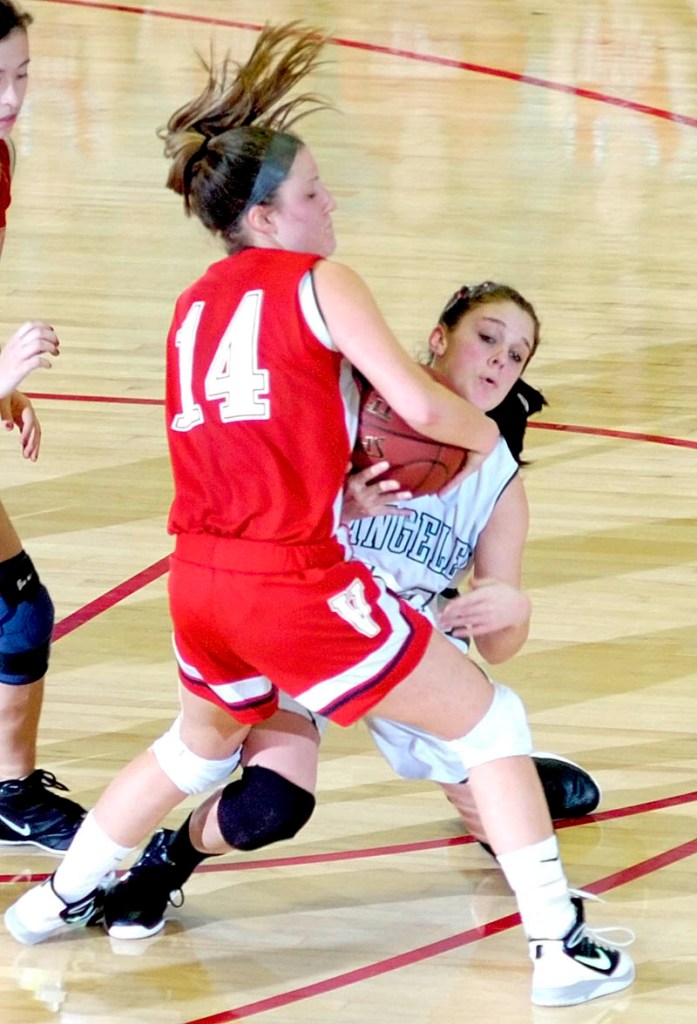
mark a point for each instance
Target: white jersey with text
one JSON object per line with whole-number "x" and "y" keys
{"x": 430, "y": 550}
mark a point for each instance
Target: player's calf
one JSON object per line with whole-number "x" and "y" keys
{"x": 260, "y": 808}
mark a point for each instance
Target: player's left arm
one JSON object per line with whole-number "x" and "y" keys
{"x": 495, "y": 612}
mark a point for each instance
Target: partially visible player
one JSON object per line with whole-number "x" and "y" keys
{"x": 261, "y": 409}
{"x": 30, "y": 810}
{"x": 425, "y": 547}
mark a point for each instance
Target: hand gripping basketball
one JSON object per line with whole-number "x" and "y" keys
{"x": 420, "y": 464}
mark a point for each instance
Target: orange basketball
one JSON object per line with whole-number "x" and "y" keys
{"x": 420, "y": 464}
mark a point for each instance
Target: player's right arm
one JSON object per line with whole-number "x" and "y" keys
{"x": 360, "y": 332}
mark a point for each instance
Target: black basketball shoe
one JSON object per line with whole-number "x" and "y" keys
{"x": 134, "y": 908}
{"x": 570, "y": 791}
{"x": 31, "y": 813}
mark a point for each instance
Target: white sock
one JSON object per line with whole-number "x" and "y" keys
{"x": 91, "y": 857}
{"x": 536, "y": 876}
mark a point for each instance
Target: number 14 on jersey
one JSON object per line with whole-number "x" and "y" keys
{"x": 234, "y": 378}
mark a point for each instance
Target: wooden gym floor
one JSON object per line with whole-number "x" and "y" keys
{"x": 549, "y": 145}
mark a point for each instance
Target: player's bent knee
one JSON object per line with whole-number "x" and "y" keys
{"x": 188, "y": 771}
{"x": 502, "y": 732}
{"x": 261, "y": 808}
{"x": 26, "y": 623}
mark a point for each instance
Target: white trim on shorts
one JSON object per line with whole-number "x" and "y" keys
{"x": 232, "y": 694}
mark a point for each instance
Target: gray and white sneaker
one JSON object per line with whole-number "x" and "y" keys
{"x": 41, "y": 913}
{"x": 578, "y": 967}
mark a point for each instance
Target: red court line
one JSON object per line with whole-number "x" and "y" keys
{"x": 630, "y": 435}
{"x": 421, "y": 953}
{"x": 110, "y": 598}
{"x": 435, "y": 844}
{"x": 109, "y": 399}
{"x": 398, "y": 848}
{"x": 148, "y": 12}
{"x": 479, "y": 69}
{"x": 392, "y": 963}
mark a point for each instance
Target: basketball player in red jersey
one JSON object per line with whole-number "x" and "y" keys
{"x": 424, "y": 548}
{"x": 30, "y": 812}
{"x": 261, "y": 410}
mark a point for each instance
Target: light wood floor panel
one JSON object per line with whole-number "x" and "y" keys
{"x": 550, "y": 145}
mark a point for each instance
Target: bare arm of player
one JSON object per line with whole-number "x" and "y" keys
{"x": 496, "y": 612}
{"x": 359, "y": 330}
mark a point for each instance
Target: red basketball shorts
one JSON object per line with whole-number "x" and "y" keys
{"x": 328, "y": 634}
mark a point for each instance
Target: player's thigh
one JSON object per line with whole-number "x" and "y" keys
{"x": 445, "y": 694}
{"x": 207, "y": 729}
{"x": 288, "y": 743}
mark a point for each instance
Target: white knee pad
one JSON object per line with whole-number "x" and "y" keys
{"x": 502, "y": 732}
{"x": 189, "y": 772}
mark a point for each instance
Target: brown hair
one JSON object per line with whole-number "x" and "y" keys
{"x": 230, "y": 148}
{"x": 471, "y": 296}
{"x": 11, "y": 18}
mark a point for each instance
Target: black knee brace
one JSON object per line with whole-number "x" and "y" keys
{"x": 26, "y": 622}
{"x": 261, "y": 808}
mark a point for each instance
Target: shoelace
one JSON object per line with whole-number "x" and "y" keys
{"x": 49, "y": 780}
{"x": 156, "y": 856}
{"x": 176, "y": 898}
{"x": 601, "y": 935}
{"x": 72, "y": 812}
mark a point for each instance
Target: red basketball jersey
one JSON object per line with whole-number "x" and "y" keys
{"x": 261, "y": 405}
{"x": 5, "y": 181}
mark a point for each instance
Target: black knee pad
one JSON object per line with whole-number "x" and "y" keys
{"x": 261, "y": 808}
{"x": 26, "y": 622}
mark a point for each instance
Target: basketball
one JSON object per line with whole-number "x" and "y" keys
{"x": 420, "y": 464}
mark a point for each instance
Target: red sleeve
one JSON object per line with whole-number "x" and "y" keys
{"x": 5, "y": 179}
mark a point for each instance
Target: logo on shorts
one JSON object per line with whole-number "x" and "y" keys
{"x": 352, "y": 606}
